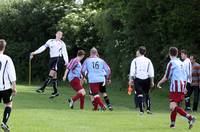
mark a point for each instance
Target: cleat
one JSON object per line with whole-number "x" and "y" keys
{"x": 149, "y": 112}
{"x": 110, "y": 108}
{"x": 191, "y": 122}
{"x": 141, "y": 112}
{"x": 53, "y": 95}
{"x": 40, "y": 90}
{"x": 71, "y": 103}
{"x": 5, "y": 127}
{"x": 172, "y": 126}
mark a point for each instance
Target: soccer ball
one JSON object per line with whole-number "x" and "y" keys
{"x": 79, "y": 2}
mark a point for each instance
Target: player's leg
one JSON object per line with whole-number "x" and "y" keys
{"x": 140, "y": 95}
{"x": 173, "y": 113}
{"x": 187, "y": 97}
{"x": 53, "y": 73}
{"x": 106, "y": 98}
{"x": 196, "y": 98}
{"x": 181, "y": 111}
{"x": 7, "y": 99}
{"x": 146, "y": 89}
{"x": 97, "y": 100}
{"x": 46, "y": 82}
{"x": 76, "y": 85}
{"x": 49, "y": 79}
{"x": 54, "y": 84}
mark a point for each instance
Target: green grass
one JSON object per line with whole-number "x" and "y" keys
{"x": 34, "y": 112}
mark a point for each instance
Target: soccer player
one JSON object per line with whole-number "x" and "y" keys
{"x": 142, "y": 77}
{"x": 96, "y": 68}
{"x": 73, "y": 72}
{"x": 57, "y": 50}
{"x": 188, "y": 67}
{"x": 178, "y": 76}
{"x": 7, "y": 84}
{"x": 194, "y": 84}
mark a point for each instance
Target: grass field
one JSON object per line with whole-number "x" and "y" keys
{"x": 34, "y": 112}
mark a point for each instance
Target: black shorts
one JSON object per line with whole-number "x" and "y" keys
{"x": 103, "y": 89}
{"x": 142, "y": 86}
{"x": 54, "y": 62}
{"x": 6, "y": 96}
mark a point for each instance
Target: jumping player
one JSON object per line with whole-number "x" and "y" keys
{"x": 73, "y": 72}
{"x": 57, "y": 50}
{"x": 7, "y": 84}
{"x": 178, "y": 77}
{"x": 96, "y": 68}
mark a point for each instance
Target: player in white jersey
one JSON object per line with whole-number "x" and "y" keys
{"x": 188, "y": 67}
{"x": 57, "y": 50}
{"x": 7, "y": 84}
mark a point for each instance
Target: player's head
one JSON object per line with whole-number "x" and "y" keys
{"x": 59, "y": 35}
{"x": 173, "y": 52}
{"x": 81, "y": 54}
{"x": 193, "y": 58}
{"x": 142, "y": 50}
{"x": 93, "y": 52}
{"x": 183, "y": 54}
{"x": 2, "y": 45}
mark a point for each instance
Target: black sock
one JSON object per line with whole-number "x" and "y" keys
{"x": 107, "y": 101}
{"x": 140, "y": 103}
{"x": 55, "y": 85}
{"x": 46, "y": 82}
{"x": 148, "y": 102}
{"x": 6, "y": 114}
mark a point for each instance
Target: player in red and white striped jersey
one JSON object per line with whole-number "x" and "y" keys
{"x": 178, "y": 77}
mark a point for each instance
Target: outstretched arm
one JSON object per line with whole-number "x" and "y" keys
{"x": 38, "y": 51}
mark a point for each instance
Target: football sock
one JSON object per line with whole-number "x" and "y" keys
{"x": 46, "y": 82}
{"x": 183, "y": 113}
{"x": 107, "y": 101}
{"x": 6, "y": 114}
{"x": 82, "y": 101}
{"x": 55, "y": 85}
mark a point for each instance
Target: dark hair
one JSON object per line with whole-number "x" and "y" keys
{"x": 142, "y": 50}
{"x": 81, "y": 52}
{"x": 2, "y": 44}
{"x": 194, "y": 57}
{"x": 173, "y": 51}
{"x": 184, "y": 51}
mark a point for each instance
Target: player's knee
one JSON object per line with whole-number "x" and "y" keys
{"x": 82, "y": 91}
{"x": 173, "y": 106}
{"x": 105, "y": 94}
{"x": 8, "y": 104}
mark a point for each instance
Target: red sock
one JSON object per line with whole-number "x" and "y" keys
{"x": 76, "y": 97}
{"x": 183, "y": 113}
{"x": 100, "y": 102}
{"x": 82, "y": 101}
{"x": 173, "y": 116}
{"x": 95, "y": 103}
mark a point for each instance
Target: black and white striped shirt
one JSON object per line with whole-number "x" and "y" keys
{"x": 7, "y": 72}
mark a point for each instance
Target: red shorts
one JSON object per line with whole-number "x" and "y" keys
{"x": 176, "y": 97}
{"x": 95, "y": 87}
{"x": 76, "y": 84}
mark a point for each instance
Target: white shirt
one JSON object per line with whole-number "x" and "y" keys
{"x": 7, "y": 72}
{"x": 142, "y": 68}
{"x": 188, "y": 68}
{"x": 57, "y": 49}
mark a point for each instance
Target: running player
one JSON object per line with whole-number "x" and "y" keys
{"x": 57, "y": 50}
{"x": 73, "y": 72}
{"x": 7, "y": 84}
{"x": 96, "y": 68}
{"x": 178, "y": 77}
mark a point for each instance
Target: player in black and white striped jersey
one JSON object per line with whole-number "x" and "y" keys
{"x": 7, "y": 84}
{"x": 57, "y": 49}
